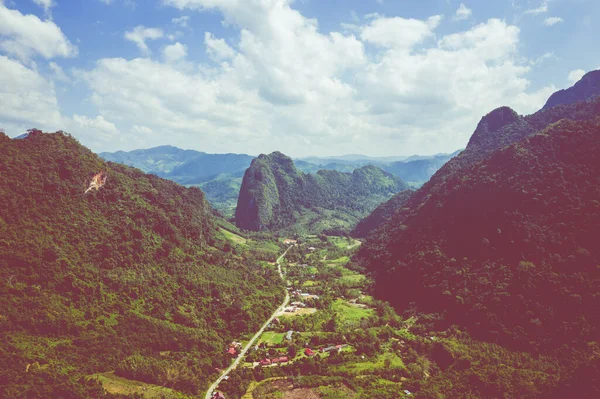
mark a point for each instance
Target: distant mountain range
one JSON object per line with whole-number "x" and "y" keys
{"x": 220, "y": 175}
{"x": 275, "y": 195}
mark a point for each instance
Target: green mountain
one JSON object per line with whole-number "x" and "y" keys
{"x": 586, "y": 88}
{"x": 275, "y": 195}
{"x": 418, "y": 169}
{"x": 222, "y": 192}
{"x": 218, "y": 175}
{"x": 208, "y": 167}
{"x": 157, "y": 160}
{"x": 501, "y": 242}
{"x": 381, "y": 214}
{"x": 135, "y": 277}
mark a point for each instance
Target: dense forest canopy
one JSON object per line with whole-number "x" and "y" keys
{"x": 138, "y": 268}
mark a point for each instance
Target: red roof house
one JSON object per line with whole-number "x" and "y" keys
{"x": 231, "y": 351}
{"x": 309, "y": 352}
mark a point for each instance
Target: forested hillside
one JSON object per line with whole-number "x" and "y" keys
{"x": 135, "y": 277}
{"x": 275, "y": 195}
{"x": 381, "y": 214}
{"x": 155, "y": 160}
{"x": 507, "y": 249}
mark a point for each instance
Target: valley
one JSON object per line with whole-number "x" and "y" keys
{"x": 174, "y": 273}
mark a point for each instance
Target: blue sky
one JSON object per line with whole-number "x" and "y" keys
{"x": 306, "y": 77}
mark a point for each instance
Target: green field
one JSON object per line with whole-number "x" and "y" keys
{"x": 339, "y": 261}
{"x": 383, "y": 361}
{"x": 233, "y": 237}
{"x": 272, "y": 338}
{"x": 350, "y": 313}
{"x": 352, "y": 280}
{"x": 118, "y": 385}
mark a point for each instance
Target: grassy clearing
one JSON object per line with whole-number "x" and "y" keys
{"x": 350, "y": 313}
{"x": 309, "y": 283}
{"x": 233, "y": 237}
{"x": 381, "y": 362}
{"x": 119, "y": 385}
{"x": 339, "y": 261}
{"x": 299, "y": 312}
{"x": 353, "y": 280}
{"x": 272, "y": 338}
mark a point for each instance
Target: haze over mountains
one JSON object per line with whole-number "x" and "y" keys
{"x": 220, "y": 175}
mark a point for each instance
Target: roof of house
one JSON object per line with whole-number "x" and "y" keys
{"x": 309, "y": 352}
{"x": 231, "y": 350}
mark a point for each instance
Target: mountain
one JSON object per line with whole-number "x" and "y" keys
{"x": 419, "y": 170}
{"x": 519, "y": 226}
{"x": 383, "y": 212}
{"x": 135, "y": 277}
{"x": 275, "y": 195}
{"x": 586, "y": 88}
{"x": 208, "y": 166}
{"x": 500, "y": 243}
{"x": 157, "y": 160}
{"x": 308, "y": 167}
{"x": 222, "y": 192}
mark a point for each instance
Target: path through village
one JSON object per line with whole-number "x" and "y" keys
{"x": 242, "y": 354}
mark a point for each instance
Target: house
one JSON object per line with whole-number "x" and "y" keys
{"x": 309, "y": 352}
{"x": 311, "y": 249}
{"x": 288, "y": 336}
{"x": 235, "y": 344}
{"x": 289, "y": 241}
{"x": 232, "y": 351}
{"x": 283, "y": 359}
{"x": 218, "y": 395}
{"x": 407, "y": 392}
{"x": 328, "y": 349}
{"x": 265, "y": 362}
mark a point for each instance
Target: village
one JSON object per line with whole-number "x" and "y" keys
{"x": 329, "y": 320}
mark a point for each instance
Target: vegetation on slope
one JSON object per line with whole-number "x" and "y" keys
{"x": 275, "y": 195}
{"x": 133, "y": 278}
{"x": 506, "y": 249}
{"x": 381, "y": 214}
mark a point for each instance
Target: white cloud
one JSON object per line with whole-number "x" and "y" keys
{"x": 58, "y": 72}
{"x": 92, "y": 132}
{"x": 282, "y": 84}
{"x": 140, "y": 34}
{"x": 24, "y": 36}
{"x": 28, "y": 99}
{"x": 575, "y": 75}
{"x": 541, "y": 9}
{"x": 552, "y": 21}
{"x": 181, "y": 21}
{"x": 174, "y": 53}
{"x": 218, "y": 49}
{"x": 398, "y": 32}
{"x": 45, "y": 4}
{"x": 463, "y": 12}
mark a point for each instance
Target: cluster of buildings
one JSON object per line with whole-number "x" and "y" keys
{"x": 277, "y": 360}
{"x": 304, "y": 295}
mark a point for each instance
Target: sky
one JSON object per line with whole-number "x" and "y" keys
{"x": 304, "y": 77}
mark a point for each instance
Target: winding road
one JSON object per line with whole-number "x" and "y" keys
{"x": 238, "y": 359}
